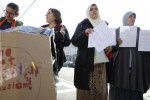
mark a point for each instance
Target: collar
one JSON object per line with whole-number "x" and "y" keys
{"x": 5, "y": 20}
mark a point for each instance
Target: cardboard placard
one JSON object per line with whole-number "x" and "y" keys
{"x": 26, "y": 65}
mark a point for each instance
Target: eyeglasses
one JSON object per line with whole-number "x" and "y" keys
{"x": 9, "y": 13}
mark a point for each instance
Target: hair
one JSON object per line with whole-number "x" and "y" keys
{"x": 93, "y": 5}
{"x": 14, "y": 6}
{"x": 57, "y": 15}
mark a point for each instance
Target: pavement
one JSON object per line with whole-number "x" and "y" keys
{"x": 66, "y": 89}
{"x": 147, "y": 95}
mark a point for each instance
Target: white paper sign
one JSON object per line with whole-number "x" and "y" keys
{"x": 128, "y": 34}
{"x": 113, "y": 30}
{"x": 101, "y": 37}
{"x": 144, "y": 40}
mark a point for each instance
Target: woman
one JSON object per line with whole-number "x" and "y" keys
{"x": 90, "y": 73}
{"x": 12, "y": 11}
{"x": 130, "y": 73}
{"x": 61, "y": 37}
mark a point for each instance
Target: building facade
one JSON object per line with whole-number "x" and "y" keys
{"x": 70, "y": 52}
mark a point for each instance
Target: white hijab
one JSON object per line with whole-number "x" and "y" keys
{"x": 99, "y": 57}
{"x": 94, "y": 22}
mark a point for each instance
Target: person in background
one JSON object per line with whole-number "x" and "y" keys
{"x": 130, "y": 70}
{"x": 90, "y": 72}
{"x": 11, "y": 11}
{"x": 60, "y": 39}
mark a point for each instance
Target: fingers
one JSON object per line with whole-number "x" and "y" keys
{"x": 62, "y": 30}
{"x": 108, "y": 49}
{"x": 89, "y": 31}
{"x": 119, "y": 41}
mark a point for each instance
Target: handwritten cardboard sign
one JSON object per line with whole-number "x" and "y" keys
{"x": 26, "y": 65}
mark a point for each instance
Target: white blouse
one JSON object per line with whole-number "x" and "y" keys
{"x": 100, "y": 57}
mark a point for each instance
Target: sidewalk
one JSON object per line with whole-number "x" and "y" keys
{"x": 66, "y": 89}
{"x": 147, "y": 95}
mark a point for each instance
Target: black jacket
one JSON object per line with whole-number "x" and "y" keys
{"x": 61, "y": 42}
{"x": 136, "y": 76}
{"x": 85, "y": 56}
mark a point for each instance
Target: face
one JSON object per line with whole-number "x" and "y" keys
{"x": 10, "y": 14}
{"x": 50, "y": 17}
{"x": 94, "y": 12}
{"x": 131, "y": 20}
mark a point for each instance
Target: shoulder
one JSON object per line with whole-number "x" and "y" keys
{"x": 19, "y": 23}
{"x": 45, "y": 25}
{"x": 85, "y": 23}
{"x": 138, "y": 28}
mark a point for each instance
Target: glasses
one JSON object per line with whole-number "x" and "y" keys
{"x": 9, "y": 13}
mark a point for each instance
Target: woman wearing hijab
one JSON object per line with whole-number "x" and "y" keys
{"x": 130, "y": 74}
{"x": 90, "y": 72}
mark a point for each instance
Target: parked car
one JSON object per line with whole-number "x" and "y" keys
{"x": 68, "y": 64}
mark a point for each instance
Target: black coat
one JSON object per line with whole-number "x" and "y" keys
{"x": 85, "y": 56}
{"x": 136, "y": 77}
{"x": 61, "y": 42}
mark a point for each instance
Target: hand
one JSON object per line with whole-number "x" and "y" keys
{"x": 88, "y": 31}
{"x": 119, "y": 41}
{"x": 108, "y": 49}
{"x": 62, "y": 30}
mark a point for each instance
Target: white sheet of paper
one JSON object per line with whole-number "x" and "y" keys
{"x": 128, "y": 34}
{"x": 113, "y": 30}
{"x": 101, "y": 37}
{"x": 144, "y": 40}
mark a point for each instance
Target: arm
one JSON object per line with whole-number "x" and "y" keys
{"x": 62, "y": 38}
{"x": 79, "y": 38}
{"x": 66, "y": 38}
{"x": 118, "y": 41}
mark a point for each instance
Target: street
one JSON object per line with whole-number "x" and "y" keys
{"x": 66, "y": 89}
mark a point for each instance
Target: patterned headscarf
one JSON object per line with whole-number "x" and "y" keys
{"x": 126, "y": 16}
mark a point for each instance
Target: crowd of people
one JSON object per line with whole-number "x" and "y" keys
{"x": 126, "y": 69}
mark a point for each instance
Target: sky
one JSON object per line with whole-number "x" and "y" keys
{"x": 74, "y": 11}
